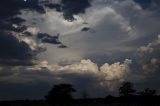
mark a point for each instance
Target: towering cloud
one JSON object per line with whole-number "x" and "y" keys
{"x": 117, "y": 70}
{"x": 107, "y": 76}
{"x": 150, "y": 56}
{"x": 115, "y": 74}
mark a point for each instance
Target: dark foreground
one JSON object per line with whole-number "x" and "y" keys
{"x": 108, "y": 101}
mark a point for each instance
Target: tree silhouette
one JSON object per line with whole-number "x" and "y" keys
{"x": 148, "y": 92}
{"x": 60, "y": 94}
{"x": 126, "y": 89}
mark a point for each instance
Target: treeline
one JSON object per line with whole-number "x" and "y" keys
{"x": 61, "y": 95}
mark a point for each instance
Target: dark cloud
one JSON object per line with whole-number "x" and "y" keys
{"x": 70, "y": 7}
{"x": 149, "y": 4}
{"x": 30, "y": 80}
{"x": 12, "y": 24}
{"x": 73, "y": 7}
{"x": 10, "y": 8}
{"x": 54, "y": 6}
{"x": 13, "y": 51}
{"x": 85, "y": 29}
{"x": 15, "y": 20}
{"x": 16, "y": 62}
{"x": 46, "y": 38}
{"x": 12, "y": 48}
{"x": 13, "y": 27}
{"x": 26, "y": 33}
{"x": 23, "y": 91}
{"x": 62, "y": 46}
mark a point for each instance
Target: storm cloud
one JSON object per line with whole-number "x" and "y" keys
{"x": 48, "y": 39}
{"x": 69, "y": 8}
{"x": 89, "y": 43}
{"x": 13, "y": 49}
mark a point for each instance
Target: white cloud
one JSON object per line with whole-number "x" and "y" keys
{"x": 85, "y": 66}
{"x": 33, "y": 30}
{"x": 116, "y": 71}
{"x": 33, "y": 45}
{"x": 108, "y": 76}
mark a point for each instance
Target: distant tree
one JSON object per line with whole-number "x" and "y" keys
{"x": 60, "y": 94}
{"x": 126, "y": 89}
{"x": 148, "y": 92}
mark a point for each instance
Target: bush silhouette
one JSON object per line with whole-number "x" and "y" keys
{"x": 126, "y": 89}
{"x": 60, "y": 94}
{"x": 148, "y": 92}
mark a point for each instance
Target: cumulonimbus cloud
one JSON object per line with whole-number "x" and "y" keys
{"x": 104, "y": 75}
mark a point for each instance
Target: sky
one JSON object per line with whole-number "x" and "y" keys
{"x": 95, "y": 45}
